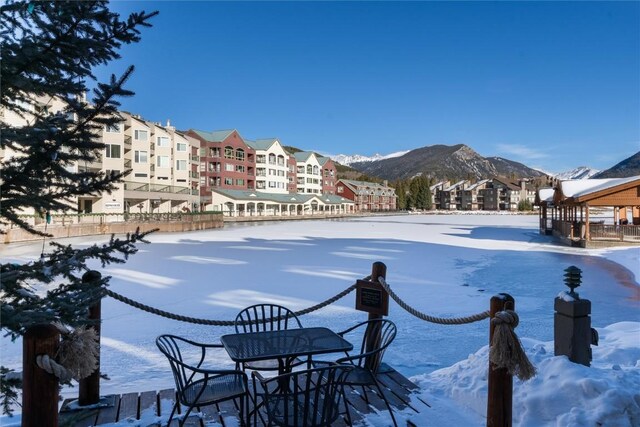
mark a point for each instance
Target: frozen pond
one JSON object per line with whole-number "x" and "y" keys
{"x": 447, "y": 265}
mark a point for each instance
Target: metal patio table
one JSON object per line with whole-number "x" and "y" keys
{"x": 284, "y": 345}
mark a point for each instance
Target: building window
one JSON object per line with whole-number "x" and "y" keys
{"x": 261, "y": 158}
{"x": 181, "y": 165}
{"x": 140, "y": 157}
{"x": 141, "y": 135}
{"x": 228, "y": 167}
{"x": 112, "y": 151}
{"x": 240, "y": 154}
{"x": 280, "y": 160}
{"x": 240, "y": 168}
{"x": 140, "y": 175}
{"x": 240, "y": 181}
{"x": 228, "y": 181}
{"x": 316, "y": 171}
{"x": 300, "y": 169}
{"x": 114, "y": 128}
{"x": 340, "y": 189}
{"x": 162, "y": 141}
{"x": 272, "y": 184}
{"x": 228, "y": 152}
{"x": 163, "y": 162}
{"x": 181, "y": 146}
{"x": 272, "y": 159}
{"x": 309, "y": 170}
{"x": 214, "y": 152}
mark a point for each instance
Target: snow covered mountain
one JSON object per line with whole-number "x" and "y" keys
{"x": 581, "y": 172}
{"x": 346, "y": 160}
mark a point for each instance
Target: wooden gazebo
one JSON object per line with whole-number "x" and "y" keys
{"x": 565, "y": 211}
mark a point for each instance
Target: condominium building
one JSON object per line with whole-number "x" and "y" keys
{"x": 329, "y": 175}
{"x": 472, "y": 198}
{"x": 368, "y": 196}
{"x": 450, "y": 198}
{"x": 272, "y": 166}
{"x": 504, "y": 195}
{"x": 308, "y": 177}
{"x": 226, "y": 161}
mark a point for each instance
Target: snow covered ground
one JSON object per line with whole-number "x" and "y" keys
{"x": 442, "y": 265}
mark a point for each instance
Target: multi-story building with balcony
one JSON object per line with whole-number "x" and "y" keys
{"x": 450, "y": 198}
{"x": 308, "y": 176}
{"x": 329, "y": 175}
{"x": 160, "y": 163}
{"x": 292, "y": 175}
{"x": 472, "y": 198}
{"x": 436, "y": 189}
{"x": 502, "y": 194}
{"x": 272, "y": 166}
{"x": 368, "y": 196}
{"x": 226, "y": 161}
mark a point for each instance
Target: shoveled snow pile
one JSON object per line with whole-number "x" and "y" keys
{"x": 562, "y": 393}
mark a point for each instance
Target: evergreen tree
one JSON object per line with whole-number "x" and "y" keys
{"x": 49, "y": 49}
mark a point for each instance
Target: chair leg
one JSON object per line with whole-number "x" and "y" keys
{"x": 386, "y": 402}
{"x": 346, "y": 407}
{"x": 186, "y": 415}
{"x": 173, "y": 411}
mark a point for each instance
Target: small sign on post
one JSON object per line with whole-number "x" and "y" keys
{"x": 371, "y": 298}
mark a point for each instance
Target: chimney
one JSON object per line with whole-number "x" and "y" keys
{"x": 169, "y": 125}
{"x": 385, "y": 183}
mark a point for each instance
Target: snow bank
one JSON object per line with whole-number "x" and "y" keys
{"x": 562, "y": 393}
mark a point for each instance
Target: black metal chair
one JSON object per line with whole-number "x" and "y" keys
{"x": 377, "y": 336}
{"x": 266, "y": 317}
{"x": 197, "y": 386}
{"x": 307, "y": 398}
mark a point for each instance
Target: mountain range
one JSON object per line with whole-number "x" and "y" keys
{"x": 581, "y": 172}
{"x": 461, "y": 161}
{"x": 440, "y": 162}
{"x": 628, "y": 167}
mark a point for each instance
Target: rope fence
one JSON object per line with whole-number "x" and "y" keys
{"x": 199, "y": 321}
{"x": 428, "y": 318}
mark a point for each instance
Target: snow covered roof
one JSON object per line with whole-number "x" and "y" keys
{"x": 293, "y": 198}
{"x": 581, "y": 187}
{"x": 546, "y": 194}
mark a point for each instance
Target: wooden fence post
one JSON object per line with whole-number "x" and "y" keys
{"x": 500, "y": 393}
{"x": 89, "y": 387}
{"x": 378, "y": 269}
{"x": 39, "y": 388}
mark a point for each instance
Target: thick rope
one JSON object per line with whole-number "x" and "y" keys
{"x": 77, "y": 356}
{"x": 506, "y": 350}
{"x": 209, "y": 322}
{"x": 52, "y": 367}
{"x": 428, "y": 318}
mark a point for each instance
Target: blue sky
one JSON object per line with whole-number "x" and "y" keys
{"x": 553, "y": 85}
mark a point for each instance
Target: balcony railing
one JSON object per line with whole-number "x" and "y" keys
{"x": 195, "y": 158}
{"x": 159, "y": 188}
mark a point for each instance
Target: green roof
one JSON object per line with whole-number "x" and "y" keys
{"x": 262, "y": 144}
{"x": 323, "y": 160}
{"x": 302, "y": 156}
{"x": 215, "y": 136}
{"x": 281, "y": 198}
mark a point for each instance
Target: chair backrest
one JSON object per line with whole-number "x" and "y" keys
{"x": 266, "y": 317}
{"x": 378, "y": 334}
{"x": 169, "y": 345}
{"x": 312, "y": 398}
